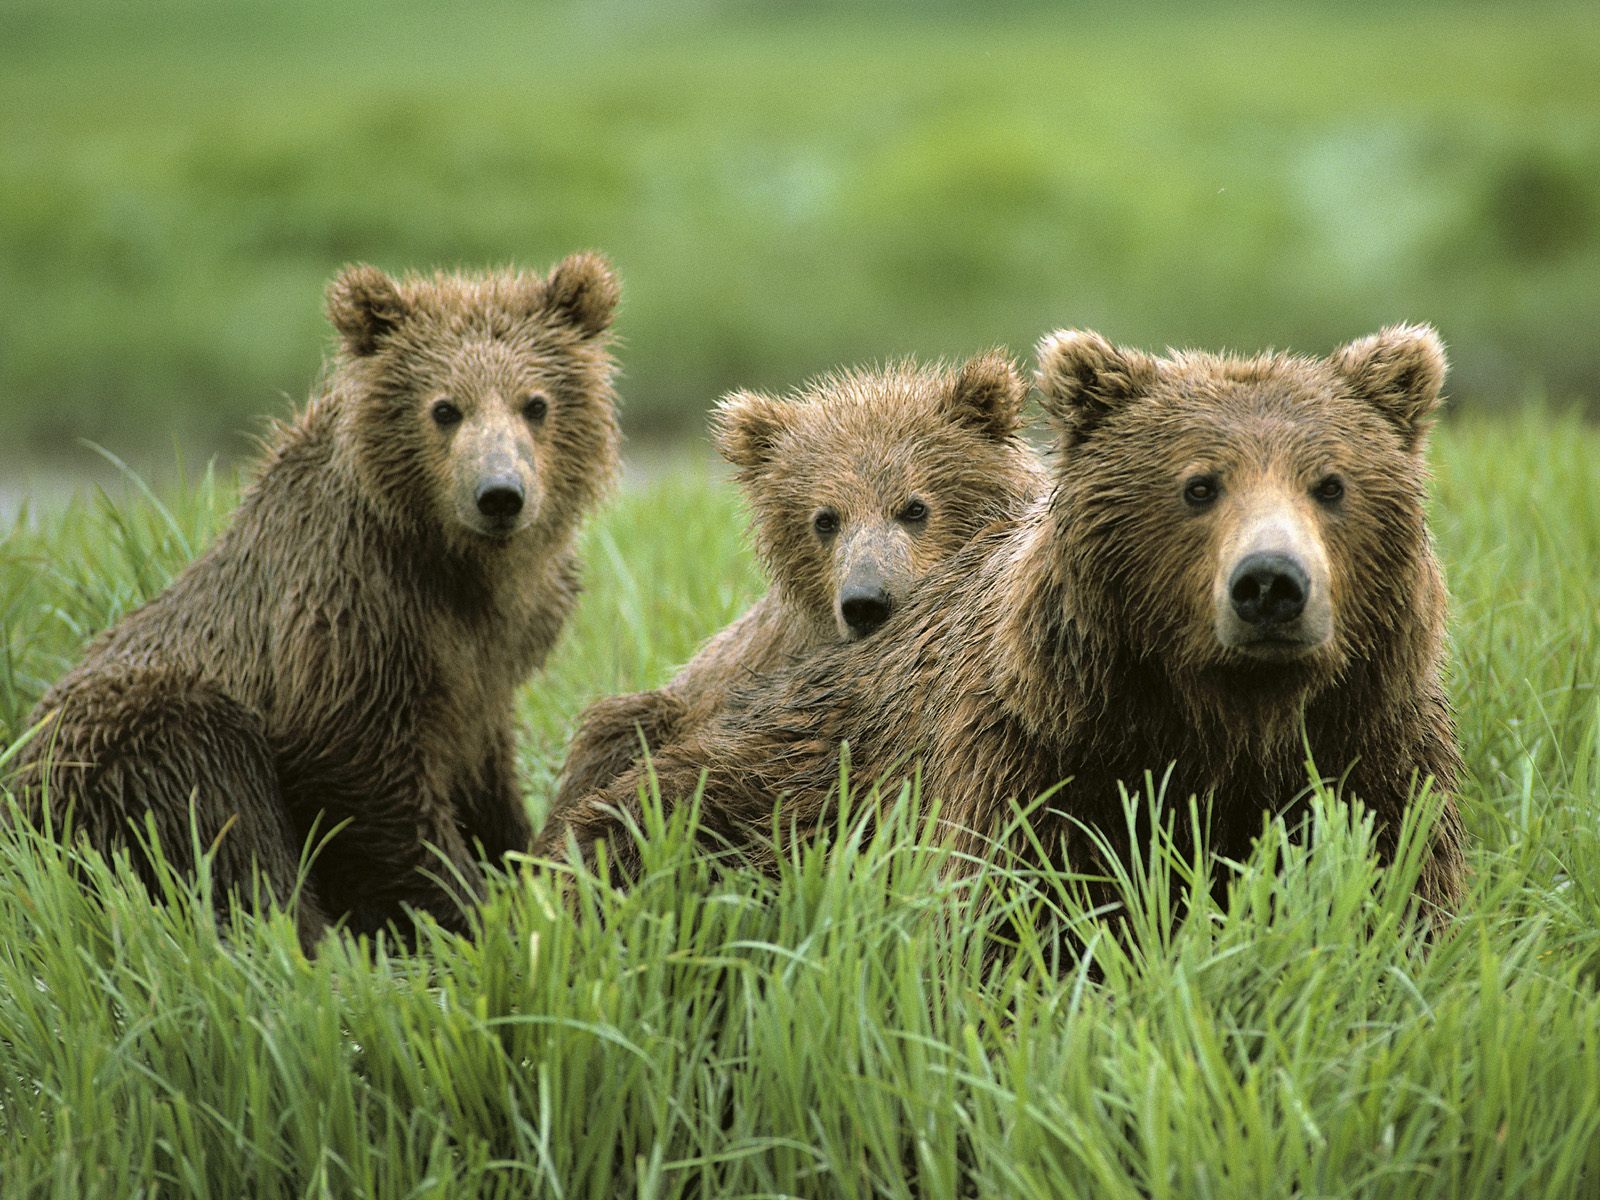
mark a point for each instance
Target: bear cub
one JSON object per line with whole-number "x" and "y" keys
{"x": 342, "y": 660}
{"x": 857, "y": 486}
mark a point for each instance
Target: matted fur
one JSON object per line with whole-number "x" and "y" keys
{"x": 860, "y": 444}
{"x": 347, "y": 649}
{"x": 1074, "y": 642}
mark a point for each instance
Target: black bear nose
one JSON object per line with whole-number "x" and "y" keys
{"x": 499, "y": 499}
{"x": 865, "y": 609}
{"x": 1268, "y": 589}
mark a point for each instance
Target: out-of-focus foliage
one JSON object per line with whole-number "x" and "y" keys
{"x": 783, "y": 188}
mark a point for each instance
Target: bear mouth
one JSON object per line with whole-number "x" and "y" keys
{"x": 1277, "y": 648}
{"x": 1267, "y": 672}
{"x": 500, "y": 530}
{"x": 496, "y": 532}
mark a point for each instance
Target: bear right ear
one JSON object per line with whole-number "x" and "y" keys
{"x": 987, "y": 395}
{"x": 365, "y": 306}
{"x": 746, "y": 426}
{"x": 1083, "y": 377}
{"x": 582, "y": 291}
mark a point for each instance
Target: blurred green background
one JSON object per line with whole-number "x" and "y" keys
{"x": 782, "y": 187}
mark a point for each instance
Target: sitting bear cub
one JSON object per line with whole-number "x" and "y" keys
{"x": 344, "y": 656}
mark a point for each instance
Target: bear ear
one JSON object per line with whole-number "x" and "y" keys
{"x": 582, "y": 291}
{"x": 987, "y": 395}
{"x": 746, "y": 426}
{"x": 365, "y": 306}
{"x": 1083, "y": 377}
{"x": 1400, "y": 371}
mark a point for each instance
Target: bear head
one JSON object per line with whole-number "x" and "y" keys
{"x": 862, "y": 481}
{"x": 479, "y": 406}
{"x": 1253, "y": 526}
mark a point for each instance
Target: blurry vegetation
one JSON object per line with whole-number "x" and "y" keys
{"x": 783, "y": 188}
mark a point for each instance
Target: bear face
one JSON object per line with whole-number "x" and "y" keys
{"x": 1257, "y": 523}
{"x": 482, "y": 406}
{"x": 862, "y": 482}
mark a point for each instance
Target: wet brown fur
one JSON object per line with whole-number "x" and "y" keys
{"x": 1075, "y": 641}
{"x": 861, "y": 444}
{"x": 348, "y": 647}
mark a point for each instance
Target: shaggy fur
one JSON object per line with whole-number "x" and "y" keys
{"x": 863, "y": 447}
{"x": 347, "y": 649}
{"x": 1081, "y": 641}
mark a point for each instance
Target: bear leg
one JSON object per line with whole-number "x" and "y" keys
{"x": 607, "y": 743}
{"x": 157, "y": 744}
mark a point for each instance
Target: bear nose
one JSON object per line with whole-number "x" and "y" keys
{"x": 865, "y": 609}
{"x": 1268, "y": 589}
{"x": 499, "y": 499}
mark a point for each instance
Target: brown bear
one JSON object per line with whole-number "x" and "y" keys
{"x": 342, "y": 660}
{"x": 1231, "y": 568}
{"x": 857, "y": 487}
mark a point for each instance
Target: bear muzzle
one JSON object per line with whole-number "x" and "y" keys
{"x": 1271, "y": 598}
{"x": 864, "y": 606}
{"x": 1267, "y": 590}
{"x": 499, "y": 499}
{"x": 502, "y": 505}
{"x": 877, "y": 574}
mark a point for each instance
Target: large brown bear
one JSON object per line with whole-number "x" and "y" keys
{"x": 1233, "y": 566}
{"x": 345, "y": 653}
{"x": 857, "y": 486}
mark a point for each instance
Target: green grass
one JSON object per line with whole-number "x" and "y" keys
{"x": 839, "y": 1032}
{"x": 783, "y": 190}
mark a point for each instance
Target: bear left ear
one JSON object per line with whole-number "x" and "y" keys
{"x": 1083, "y": 378}
{"x": 987, "y": 396}
{"x": 365, "y": 306}
{"x": 582, "y": 291}
{"x": 1400, "y": 371}
{"x": 746, "y": 426}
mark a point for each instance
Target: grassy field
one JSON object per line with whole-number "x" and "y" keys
{"x": 783, "y": 188}
{"x": 838, "y": 1032}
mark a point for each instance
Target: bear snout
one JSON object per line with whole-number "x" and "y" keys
{"x": 875, "y": 572}
{"x": 1268, "y": 590}
{"x": 1272, "y": 590}
{"x": 500, "y": 498}
{"x": 1274, "y": 604}
{"x": 496, "y": 492}
{"x": 864, "y": 605}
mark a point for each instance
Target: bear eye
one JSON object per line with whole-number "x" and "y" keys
{"x": 826, "y": 522}
{"x": 1329, "y": 490}
{"x": 444, "y": 413}
{"x": 914, "y": 512}
{"x": 535, "y": 407}
{"x": 1201, "y": 490}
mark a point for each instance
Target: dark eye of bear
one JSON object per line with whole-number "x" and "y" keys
{"x": 914, "y": 512}
{"x": 1201, "y": 490}
{"x": 826, "y": 523}
{"x": 444, "y": 413}
{"x": 1329, "y": 490}
{"x": 535, "y": 407}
